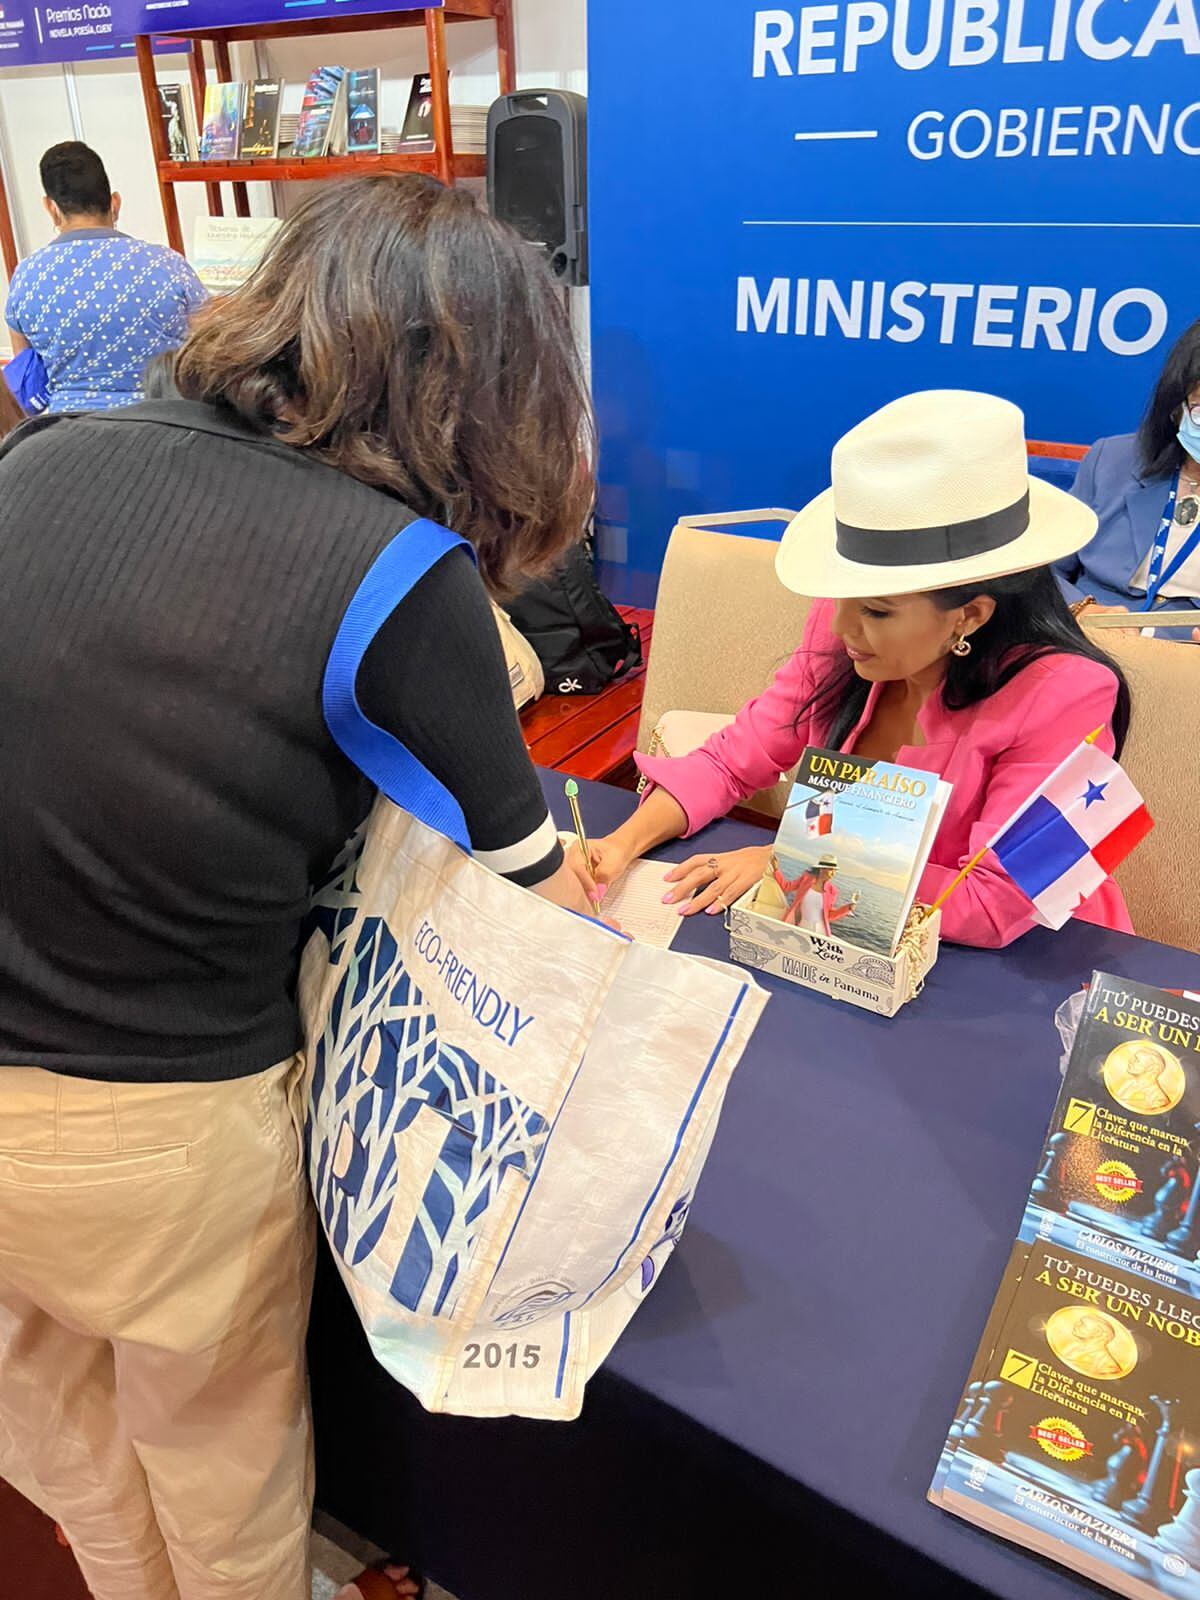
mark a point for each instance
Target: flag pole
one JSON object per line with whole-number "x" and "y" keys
{"x": 979, "y": 855}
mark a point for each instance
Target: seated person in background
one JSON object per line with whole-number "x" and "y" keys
{"x": 94, "y": 303}
{"x": 944, "y": 644}
{"x": 1145, "y": 489}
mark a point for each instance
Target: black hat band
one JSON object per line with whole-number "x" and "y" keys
{"x": 918, "y": 547}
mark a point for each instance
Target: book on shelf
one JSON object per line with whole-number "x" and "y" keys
{"x": 416, "y": 132}
{"x": 362, "y": 111}
{"x": 1080, "y": 1423}
{"x": 222, "y": 121}
{"x": 320, "y": 130}
{"x": 468, "y": 124}
{"x": 852, "y": 844}
{"x": 260, "y": 119}
{"x": 226, "y": 250}
{"x": 179, "y": 123}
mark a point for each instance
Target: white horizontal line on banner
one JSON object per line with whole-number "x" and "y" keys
{"x": 777, "y": 222}
{"x": 842, "y": 133}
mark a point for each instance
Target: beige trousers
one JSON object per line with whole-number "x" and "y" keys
{"x": 156, "y": 1253}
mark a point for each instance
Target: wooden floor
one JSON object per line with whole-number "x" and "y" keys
{"x": 29, "y": 1549}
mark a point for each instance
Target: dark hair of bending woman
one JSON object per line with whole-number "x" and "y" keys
{"x": 400, "y": 333}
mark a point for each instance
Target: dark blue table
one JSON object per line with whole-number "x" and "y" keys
{"x": 777, "y": 1407}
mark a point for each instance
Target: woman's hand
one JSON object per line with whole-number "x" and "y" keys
{"x": 611, "y": 858}
{"x": 713, "y": 883}
{"x": 571, "y": 886}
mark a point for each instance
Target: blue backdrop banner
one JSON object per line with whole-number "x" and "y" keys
{"x": 801, "y": 212}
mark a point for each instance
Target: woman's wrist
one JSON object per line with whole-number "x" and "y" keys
{"x": 659, "y": 817}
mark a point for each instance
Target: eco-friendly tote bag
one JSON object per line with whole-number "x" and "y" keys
{"x": 510, "y": 1104}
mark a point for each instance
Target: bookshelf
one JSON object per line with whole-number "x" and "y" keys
{"x": 442, "y": 163}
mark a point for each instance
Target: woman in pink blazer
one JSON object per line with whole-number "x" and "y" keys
{"x": 944, "y": 644}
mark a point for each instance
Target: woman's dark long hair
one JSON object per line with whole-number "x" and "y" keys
{"x": 1031, "y": 620}
{"x": 398, "y": 332}
{"x": 1160, "y": 452}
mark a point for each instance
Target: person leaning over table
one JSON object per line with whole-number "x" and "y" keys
{"x": 941, "y": 642}
{"x": 1145, "y": 489}
{"x": 172, "y": 794}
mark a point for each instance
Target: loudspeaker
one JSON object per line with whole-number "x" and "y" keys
{"x": 537, "y": 174}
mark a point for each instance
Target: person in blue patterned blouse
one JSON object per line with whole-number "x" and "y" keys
{"x": 95, "y": 304}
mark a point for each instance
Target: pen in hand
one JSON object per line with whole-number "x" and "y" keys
{"x": 572, "y": 793}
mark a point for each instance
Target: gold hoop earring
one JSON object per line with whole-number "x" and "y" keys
{"x": 961, "y": 646}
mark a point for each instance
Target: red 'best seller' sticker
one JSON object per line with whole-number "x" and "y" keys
{"x": 1061, "y": 1439}
{"x": 1117, "y": 1181}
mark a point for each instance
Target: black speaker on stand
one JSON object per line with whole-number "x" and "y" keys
{"x": 537, "y": 175}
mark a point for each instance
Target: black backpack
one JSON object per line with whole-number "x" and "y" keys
{"x": 581, "y": 641}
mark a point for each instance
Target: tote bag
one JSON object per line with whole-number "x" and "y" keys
{"x": 509, "y": 1104}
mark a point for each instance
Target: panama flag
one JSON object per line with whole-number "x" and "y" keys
{"x": 818, "y": 818}
{"x": 1071, "y": 833}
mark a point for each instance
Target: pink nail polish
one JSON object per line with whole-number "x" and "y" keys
{"x": 601, "y": 890}
{"x": 713, "y": 911}
{"x": 667, "y": 899}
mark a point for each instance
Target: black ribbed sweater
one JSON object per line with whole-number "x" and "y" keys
{"x": 171, "y": 586}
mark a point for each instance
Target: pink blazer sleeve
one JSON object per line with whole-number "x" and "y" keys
{"x": 762, "y": 741}
{"x": 1061, "y": 701}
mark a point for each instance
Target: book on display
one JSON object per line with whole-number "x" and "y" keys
{"x": 417, "y": 132}
{"x": 1118, "y": 1171}
{"x": 320, "y": 130}
{"x": 179, "y": 125}
{"x": 222, "y": 121}
{"x": 864, "y": 828}
{"x": 362, "y": 111}
{"x": 260, "y": 119}
{"x": 226, "y": 250}
{"x": 1078, "y": 1434}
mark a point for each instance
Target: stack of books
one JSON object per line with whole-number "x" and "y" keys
{"x": 1078, "y": 1434}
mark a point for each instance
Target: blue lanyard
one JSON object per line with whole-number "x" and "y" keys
{"x": 1156, "y": 577}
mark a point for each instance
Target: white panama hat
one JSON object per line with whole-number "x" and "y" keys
{"x": 930, "y": 492}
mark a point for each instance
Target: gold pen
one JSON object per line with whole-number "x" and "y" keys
{"x": 572, "y": 792}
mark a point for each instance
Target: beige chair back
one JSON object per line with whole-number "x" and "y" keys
{"x": 723, "y": 624}
{"x": 1162, "y": 758}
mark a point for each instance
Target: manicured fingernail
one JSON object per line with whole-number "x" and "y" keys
{"x": 713, "y": 911}
{"x": 668, "y": 899}
{"x": 601, "y": 890}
